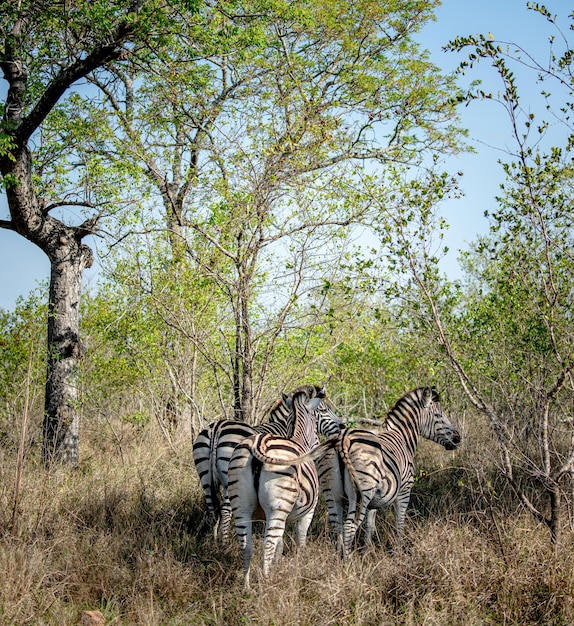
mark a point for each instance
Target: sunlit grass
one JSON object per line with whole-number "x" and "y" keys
{"x": 130, "y": 539}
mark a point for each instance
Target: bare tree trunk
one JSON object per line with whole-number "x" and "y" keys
{"x": 61, "y": 418}
{"x": 236, "y": 364}
{"x": 554, "y": 523}
{"x": 68, "y": 259}
{"x": 243, "y": 350}
{"x": 247, "y": 361}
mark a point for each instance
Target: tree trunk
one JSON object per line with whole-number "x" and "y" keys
{"x": 61, "y": 418}
{"x": 68, "y": 259}
{"x": 555, "y": 514}
{"x": 247, "y": 360}
{"x": 32, "y": 94}
{"x": 243, "y": 354}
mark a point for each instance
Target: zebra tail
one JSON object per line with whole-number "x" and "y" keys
{"x": 343, "y": 452}
{"x": 260, "y": 451}
{"x": 213, "y": 482}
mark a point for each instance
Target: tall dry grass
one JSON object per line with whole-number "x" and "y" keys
{"x": 126, "y": 534}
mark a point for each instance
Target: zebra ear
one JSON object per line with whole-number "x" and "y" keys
{"x": 287, "y": 400}
{"x": 427, "y": 397}
{"x": 435, "y": 394}
{"x": 313, "y": 404}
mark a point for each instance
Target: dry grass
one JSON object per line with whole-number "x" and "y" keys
{"x": 126, "y": 534}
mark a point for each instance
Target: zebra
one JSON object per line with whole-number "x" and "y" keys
{"x": 282, "y": 491}
{"x": 214, "y": 445}
{"x": 371, "y": 471}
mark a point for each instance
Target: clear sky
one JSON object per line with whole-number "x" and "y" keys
{"x": 23, "y": 265}
{"x": 487, "y": 122}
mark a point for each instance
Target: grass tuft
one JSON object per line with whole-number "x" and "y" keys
{"x": 126, "y": 534}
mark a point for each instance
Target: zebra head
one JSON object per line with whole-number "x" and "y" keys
{"x": 312, "y": 397}
{"x": 328, "y": 422}
{"x": 306, "y": 401}
{"x": 284, "y": 405}
{"x": 434, "y": 424}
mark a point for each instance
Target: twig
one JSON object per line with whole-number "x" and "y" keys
{"x": 21, "y": 444}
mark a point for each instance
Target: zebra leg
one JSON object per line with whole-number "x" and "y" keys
{"x": 243, "y": 510}
{"x": 401, "y": 504}
{"x": 370, "y": 526}
{"x": 349, "y": 532}
{"x": 355, "y": 516}
{"x": 278, "y": 550}
{"x": 349, "y": 528}
{"x": 203, "y": 465}
{"x": 225, "y": 519}
{"x": 331, "y": 482}
{"x": 244, "y": 533}
{"x": 335, "y": 511}
{"x": 303, "y": 528}
{"x": 273, "y": 538}
{"x": 352, "y": 519}
{"x": 225, "y": 511}
{"x": 216, "y": 526}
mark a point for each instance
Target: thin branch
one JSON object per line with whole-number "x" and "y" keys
{"x": 64, "y": 203}
{"x": 8, "y": 225}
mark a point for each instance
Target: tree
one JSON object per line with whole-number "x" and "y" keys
{"x": 46, "y": 49}
{"x": 509, "y": 336}
{"x": 252, "y": 151}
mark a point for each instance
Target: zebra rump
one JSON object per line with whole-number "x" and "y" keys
{"x": 214, "y": 445}
{"x": 281, "y": 491}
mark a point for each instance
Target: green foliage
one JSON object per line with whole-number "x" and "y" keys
{"x": 522, "y": 298}
{"x": 241, "y": 133}
{"x": 512, "y": 340}
{"x": 22, "y": 362}
{"x": 156, "y": 335}
{"x": 251, "y": 146}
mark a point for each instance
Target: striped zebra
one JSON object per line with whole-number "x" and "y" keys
{"x": 371, "y": 471}
{"x": 214, "y": 445}
{"x": 282, "y": 491}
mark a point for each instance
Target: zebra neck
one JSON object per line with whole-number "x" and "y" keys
{"x": 304, "y": 433}
{"x": 404, "y": 425}
{"x": 282, "y": 416}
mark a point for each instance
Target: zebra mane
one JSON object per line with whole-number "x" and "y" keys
{"x": 420, "y": 396}
{"x": 285, "y": 401}
{"x": 435, "y": 394}
{"x": 311, "y": 391}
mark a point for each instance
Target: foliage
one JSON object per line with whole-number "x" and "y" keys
{"x": 243, "y": 141}
{"x": 509, "y": 338}
{"x": 22, "y": 359}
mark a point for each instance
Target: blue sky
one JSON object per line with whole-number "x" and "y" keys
{"x": 23, "y": 265}
{"x": 487, "y": 122}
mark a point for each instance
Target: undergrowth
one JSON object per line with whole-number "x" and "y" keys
{"x": 127, "y": 534}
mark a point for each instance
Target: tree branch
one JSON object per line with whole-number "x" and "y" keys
{"x": 100, "y": 55}
{"x": 8, "y": 225}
